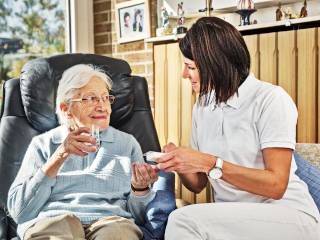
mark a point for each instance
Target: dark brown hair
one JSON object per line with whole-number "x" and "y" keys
{"x": 221, "y": 56}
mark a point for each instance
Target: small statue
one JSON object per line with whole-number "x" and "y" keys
{"x": 164, "y": 16}
{"x": 166, "y": 28}
{"x": 304, "y": 11}
{"x": 290, "y": 15}
{"x": 181, "y": 19}
{"x": 280, "y": 15}
{"x": 180, "y": 13}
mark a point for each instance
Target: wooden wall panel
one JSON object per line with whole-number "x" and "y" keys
{"x": 287, "y": 62}
{"x": 174, "y": 92}
{"x": 160, "y": 92}
{"x": 187, "y": 101}
{"x": 268, "y": 57}
{"x": 174, "y": 100}
{"x": 252, "y": 42}
{"x": 307, "y": 87}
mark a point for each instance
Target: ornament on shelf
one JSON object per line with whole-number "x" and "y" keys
{"x": 165, "y": 28}
{"x": 280, "y": 14}
{"x": 208, "y": 8}
{"x": 245, "y": 4}
{"x": 245, "y": 9}
{"x": 181, "y": 19}
{"x": 290, "y": 15}
{"x": 304, "y": 11}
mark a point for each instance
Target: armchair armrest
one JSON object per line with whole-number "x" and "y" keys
{"x": 160, "y": 207}
{"x": 3, "y": 225}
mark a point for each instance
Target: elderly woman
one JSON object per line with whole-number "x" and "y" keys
{"x": 70, "y": 188}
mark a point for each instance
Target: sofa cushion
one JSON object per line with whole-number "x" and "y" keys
{"x": 310, "y": 174}
{"x": 310, "y": 152}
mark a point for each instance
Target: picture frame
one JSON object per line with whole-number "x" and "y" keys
{"x": 132, "y": 20}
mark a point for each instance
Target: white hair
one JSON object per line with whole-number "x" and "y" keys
{"x": 73, "y": 79}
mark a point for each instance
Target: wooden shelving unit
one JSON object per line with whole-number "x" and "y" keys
{"x": 260, "y": 4}
{"x": 287, "y": 22}
{"x": 232, "y": 8}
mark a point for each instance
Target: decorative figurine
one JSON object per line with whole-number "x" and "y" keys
{"x": 245, "y": 4}
{"x": 165, "y": 28}
{"x": 164, "y": 16}
{"x": 290, "y": 15}
{"x": 245, "y": 9}
{"x": 280, "y": 14}
{"x": 304, "y": 11}
{"x": 181, "y": 19}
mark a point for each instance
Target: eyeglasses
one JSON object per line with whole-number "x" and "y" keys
{"x": 93, "y": 100}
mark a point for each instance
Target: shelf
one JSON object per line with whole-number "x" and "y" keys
{"x": 164, "y": 38}
{"x": 232, "y": 8}
{"x": 259, "y": 4}
{"x": 201, "y": 14}
{"x": 287, "y": 22}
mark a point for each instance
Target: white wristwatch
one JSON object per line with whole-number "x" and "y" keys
{"x": 216, "y": 172}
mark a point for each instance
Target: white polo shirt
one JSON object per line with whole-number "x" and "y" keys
{"x": 262, "y": 116}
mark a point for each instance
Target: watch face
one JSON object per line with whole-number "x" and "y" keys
{"x": 215, "y": 173}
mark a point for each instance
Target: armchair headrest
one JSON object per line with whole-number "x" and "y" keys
{"x": 40, "y": 78}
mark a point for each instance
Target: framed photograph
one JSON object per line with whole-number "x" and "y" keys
{"x": 132, "y": 20}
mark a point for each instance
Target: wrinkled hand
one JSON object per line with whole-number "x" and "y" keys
{"x": 182, "y": 160}
{"x": 169, "y": 147}
{"x": 78, "y": 142}
{"x": 143, "y": 174}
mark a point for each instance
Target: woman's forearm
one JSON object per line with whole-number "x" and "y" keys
{"x": 194, "y": 182}
{"x": 270, "y": 182}
{"x": 260, "y": 182}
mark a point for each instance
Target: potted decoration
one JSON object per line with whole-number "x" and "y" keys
{"x": 245, "y": 8}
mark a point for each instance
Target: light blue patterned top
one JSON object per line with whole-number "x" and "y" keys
{"x": 91, "y": 188}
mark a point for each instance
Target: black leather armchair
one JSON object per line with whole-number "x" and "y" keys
{"x": 29, "y": 109}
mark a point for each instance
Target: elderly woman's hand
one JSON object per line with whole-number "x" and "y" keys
{"x": 143, "y": 175}
{"x": 79, "y": 143}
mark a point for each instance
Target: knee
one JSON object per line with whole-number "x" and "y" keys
{"x": 70, "y": 218}
{"x": 179, "y": 215}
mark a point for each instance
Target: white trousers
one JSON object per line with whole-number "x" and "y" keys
{"x": 241, "y": 221}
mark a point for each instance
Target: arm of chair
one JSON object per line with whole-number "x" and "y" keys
{"x": 160, "y": 207}
{"x": 3, "y": 225}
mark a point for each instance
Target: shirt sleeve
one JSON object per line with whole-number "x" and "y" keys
{"x": 277, "y": 124}
{"x": 137, "y": 204}
{"x": 32, "y": 188}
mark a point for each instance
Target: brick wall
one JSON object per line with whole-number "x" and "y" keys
{"x": 138, "y": 54}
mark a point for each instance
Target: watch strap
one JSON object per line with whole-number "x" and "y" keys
{"x": 139, "y": 189}
{"x": 219, "y": 163}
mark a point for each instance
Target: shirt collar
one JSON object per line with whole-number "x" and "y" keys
{"x": 60, "y": 134}
{"x": 244, "y": 91}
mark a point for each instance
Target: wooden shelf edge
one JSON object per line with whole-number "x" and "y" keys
{"x": 164, "y": 38}
{"x": 287, "y": 22}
